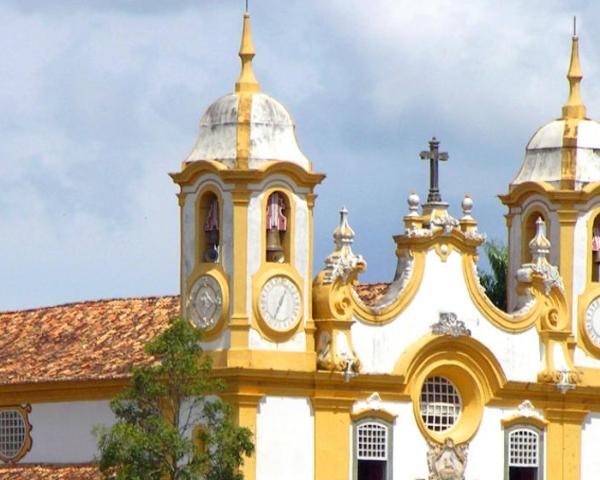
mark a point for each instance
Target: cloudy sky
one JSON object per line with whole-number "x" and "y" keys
{"x": 99, "y": 99}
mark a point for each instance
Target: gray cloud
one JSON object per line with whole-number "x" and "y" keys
{"x": 101, "y": 99}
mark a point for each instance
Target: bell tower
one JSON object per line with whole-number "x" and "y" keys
{"x": 246, "y": 199}
{"x": 559, "y": 182}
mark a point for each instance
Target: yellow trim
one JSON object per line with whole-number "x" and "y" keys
{"x": 516, "y": 420}
{"x": 310, "y": 327}
{"x": 24, "y": 411}
{"x": 60, "y": 391}
{"x": 391, "y": 312}
{"x": 192, "y": 170}
{"x": 245, "y": 408}
{"x": 266, "y": 272}
{"x": 564, "y": 443}
{"x": 500, "y": 319}
{"x": 332, "y": 422}
{"x": 215, "y": 271}
{"x": 239, "y": 323}
{"x": 373, "y": 413}
{"x": 465, "y": 362}
{"x": 567, "y": 218}
{"x": 243, "y": 130}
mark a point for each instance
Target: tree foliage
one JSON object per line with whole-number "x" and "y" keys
{"x": 163, "y": 407}
{"x": 494, "y": 282}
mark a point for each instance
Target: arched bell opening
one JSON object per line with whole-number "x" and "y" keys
{"x": 209, "y": 235}
{"x": 277, "y": 245}
{"x": 594, "y": 249}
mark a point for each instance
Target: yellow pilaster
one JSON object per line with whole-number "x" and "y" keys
{"x": 564, "y": 444}
{"x": 245, "y": 407}
{"x": 332, "y": 437}
{"x": 567, "y": 218}
{"x": 310, "y": 328}
{"x": 239, "y": 324}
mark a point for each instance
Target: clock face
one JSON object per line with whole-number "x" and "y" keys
{"x": 279, "y": 303}
{"x": 205, "y": 302}
{"x": 592, "y": 322}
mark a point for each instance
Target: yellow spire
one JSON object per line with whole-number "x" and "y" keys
{"x": 247, "y": 81}
{"x": 574, "y": 108}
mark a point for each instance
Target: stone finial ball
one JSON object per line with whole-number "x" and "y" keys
{"x": 413, "y": 201}
{"x": 467, "y": 204}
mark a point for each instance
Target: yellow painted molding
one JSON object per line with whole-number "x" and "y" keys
{"x": 214, "y": 270}
{"x": 465, "y": 362}
{"x": 373, "y": 413}
{"x": 517, "y": 419}
{"x": 499, "y": 318}
{"x": 60, "y": 391}
{"x": 391, "y": 311}
{"x": 192, "y": 170}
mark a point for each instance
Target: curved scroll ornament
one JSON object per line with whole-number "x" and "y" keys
{"x": 447, "y": 461}
{"x": 332, "y": 302}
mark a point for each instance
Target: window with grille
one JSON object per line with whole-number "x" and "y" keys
{"x": 523, "y": 453}
{"x": 372, "y": 450}
{"x": 440, "y": 404}
{"x": 12, "y": 433}
{"x": 372, "y": 442}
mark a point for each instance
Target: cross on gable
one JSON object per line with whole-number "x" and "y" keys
{"x": 434, "y": 156}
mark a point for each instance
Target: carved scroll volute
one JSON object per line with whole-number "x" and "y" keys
{"x": 554, "y": 323}
{"x": 332, "y": 302}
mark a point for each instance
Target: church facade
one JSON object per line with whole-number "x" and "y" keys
{"x": 420, "y": 378}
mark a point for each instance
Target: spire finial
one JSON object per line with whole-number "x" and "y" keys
{"x": 574, "y": 108}
{"x": 247, "y": 81}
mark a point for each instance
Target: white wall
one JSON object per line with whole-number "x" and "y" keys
{"x": 285, "y": 439}
{"x": 590, "y": 440}
{"x": 443, "y": 289}
{"x": 486, "y": 450}
{"x": 62, "y": 432}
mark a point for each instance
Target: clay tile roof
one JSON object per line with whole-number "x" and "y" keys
{"x": 371, "y": 293}
{"x": 80, "y": 341}
{"x": 49, "y": 472}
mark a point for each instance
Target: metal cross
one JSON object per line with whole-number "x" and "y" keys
{"x": 434, "y": 156}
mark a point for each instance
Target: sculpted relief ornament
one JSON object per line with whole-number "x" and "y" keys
{"x": 332, "y": 301}
{"x": 449, "y": 324}
{"x": 447, "y": 461}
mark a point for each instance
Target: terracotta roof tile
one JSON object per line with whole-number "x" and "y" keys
{"x": 49, "y": 472}
{"x": 371, "y": 293}
{"x": 79, "y": 341}
{"x": 92, "y": 340}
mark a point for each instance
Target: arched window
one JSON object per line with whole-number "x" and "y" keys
{"x": 595, "y": 250}
{"x": 523, "y": 453}
{"x": 528, "y": 232}
{"x": 209, "y": 228}
{"x": 277, "y": 226}
{"x": 372, "y": 449}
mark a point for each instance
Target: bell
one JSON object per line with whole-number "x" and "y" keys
{"x": 274, "y": 248}
{"x": 596, "y": 256}
{"x": 211, "y": 254}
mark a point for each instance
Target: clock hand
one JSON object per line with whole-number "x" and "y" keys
{"x": 279, "y": 305}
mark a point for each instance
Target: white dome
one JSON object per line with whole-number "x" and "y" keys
{"x": 544, "y": 153}
{"x": 272, "y": 133}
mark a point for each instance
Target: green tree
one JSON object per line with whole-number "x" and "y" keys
{"x": 159, "y": 412}
{"x": 494, "y": 282}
